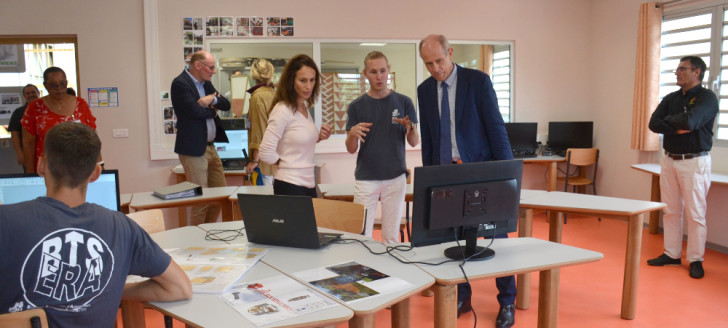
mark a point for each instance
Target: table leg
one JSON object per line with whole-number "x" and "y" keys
{"x": 523, "y": 281}
{"x": 655, "y": 197}
{"x": 445, "y": 306}
{"x": 362, "y": 321}
{"x": 182, "y": 215}
{"x": 551, "y": 177}
{"x": 556, "y": 222}
{"x": 632, "y": 266}
{"x": 401, "y": 314}
{"x": 132, "y": 314}
{"x": 236, "y": 211}
{"x": 227, "y": 210}
{"x": 548, "y": 298}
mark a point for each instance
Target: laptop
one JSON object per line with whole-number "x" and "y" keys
{"x": 282, "y": 221}
{"x": 16, "y": 188}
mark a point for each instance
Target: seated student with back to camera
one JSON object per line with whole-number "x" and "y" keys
{"x": 71, "y": 257}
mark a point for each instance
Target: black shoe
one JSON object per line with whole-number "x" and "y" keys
{"x": 506, "y": 316}
{"x": 663, "y": 260}
{"x": 464, "y": 307}
{"x": 696, "y": 270}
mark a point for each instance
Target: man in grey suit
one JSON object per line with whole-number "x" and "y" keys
{"x": 195, "y": 103}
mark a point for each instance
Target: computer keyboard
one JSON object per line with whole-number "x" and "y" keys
{"x": 524, "y": 153}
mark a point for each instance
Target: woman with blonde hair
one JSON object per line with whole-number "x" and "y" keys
{"x": 291, "y": 136}
{"x": 261, "y": 99}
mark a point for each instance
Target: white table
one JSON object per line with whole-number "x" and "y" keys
{"x": 290, "y": 260}
{"x": 209, "y": 310}
{"x": 654, "y": 170}
{"x": 512, "y": 256}
{"x": 146, "y": 200}
{"x": 559, "y": 203}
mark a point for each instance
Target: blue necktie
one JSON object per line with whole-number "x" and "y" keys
{"x": 445, "y": 143}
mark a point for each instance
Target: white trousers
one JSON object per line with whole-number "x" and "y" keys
{"x": 391, "y": 193}
{"x": 684, "y": 187}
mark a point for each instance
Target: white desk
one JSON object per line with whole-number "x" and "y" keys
{"x": 558, "y": 203}
{"x": 512, "y": 256}
{"x": 289, "y": 260}
{"x": 146, "y": 200}
{"x": 654, "y": 170}
{"x": 209, "y": 310}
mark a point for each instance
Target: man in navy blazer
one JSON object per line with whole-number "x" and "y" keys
{"x": 471, "y": 131}
{"x": 195, "y": 103}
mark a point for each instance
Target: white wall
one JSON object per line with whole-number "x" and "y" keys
{"x": 574, "y": 60}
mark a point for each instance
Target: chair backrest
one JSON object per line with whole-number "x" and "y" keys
{"x": 339, "y": 215}
{"x": 150, "y": 220}
{"x": 582, "y": 156}
{"x": 35, "y": 318}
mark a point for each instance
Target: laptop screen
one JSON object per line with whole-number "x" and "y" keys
{"x": 233, "y": 149}
{"x": 16, "y": 188}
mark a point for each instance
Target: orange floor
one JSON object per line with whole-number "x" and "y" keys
{"x": 590, "y": 294}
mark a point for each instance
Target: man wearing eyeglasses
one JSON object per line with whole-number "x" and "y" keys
{"x": 685, "y": 118}
{"x": 195, "y": 103}
{"x": 30, "y": 93}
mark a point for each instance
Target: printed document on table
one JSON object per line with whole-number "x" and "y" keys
{"x": 215, "y": 269}
{"x": 274, "y": 299}
{"x": 352, "y": 281}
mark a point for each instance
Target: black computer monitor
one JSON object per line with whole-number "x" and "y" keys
{"x": 15, "y": 188}
{"x": 466, "y": 201}
{"x": 565, "y": 135}
{"x": 522, "y": 136}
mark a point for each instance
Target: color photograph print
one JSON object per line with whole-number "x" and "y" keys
{"x": 226, "y": 26}
{"x": 212, "y": 26}
{"x": 169, "y": 113}
{"x": 187, "y": 53}
{"x": 170, "y": 127}
{"x": 192, "y": 23}
{"x": 274, "y": 31}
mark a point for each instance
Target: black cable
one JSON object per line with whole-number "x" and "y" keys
{"x": 215, "y": 234}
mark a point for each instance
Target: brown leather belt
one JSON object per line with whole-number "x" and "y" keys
{"x": 686, "y": 156}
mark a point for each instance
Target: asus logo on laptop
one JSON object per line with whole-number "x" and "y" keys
{"x": 279, "y": 221}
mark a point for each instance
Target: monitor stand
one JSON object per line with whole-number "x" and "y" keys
{"x": 470, "y": 234}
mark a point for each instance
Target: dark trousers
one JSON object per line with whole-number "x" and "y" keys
{"x": 285, "y": 188}
{"x": 506, "y": 287}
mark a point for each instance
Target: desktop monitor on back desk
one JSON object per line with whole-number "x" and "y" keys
{"x": 15, "y": 188}
{"x": 565, "y": 135}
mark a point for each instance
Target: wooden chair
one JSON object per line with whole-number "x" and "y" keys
{"x": 339, "y": 215}
{"x": 34, "y": 318}
{"x": 580, "y": 158}
{"x": 404, "y": 222}
{"x": 151, "y": 221}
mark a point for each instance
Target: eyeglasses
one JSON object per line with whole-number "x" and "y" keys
{"x": 683, "y": 69}
{"x": 211, "y": 67}
{"x": 54, "y": 86}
